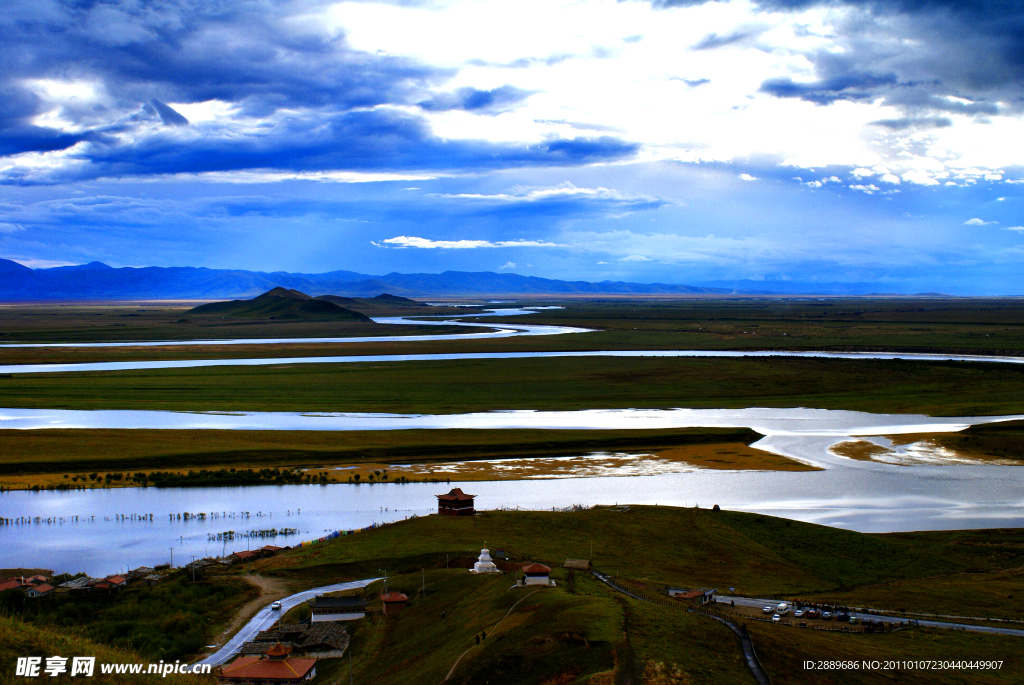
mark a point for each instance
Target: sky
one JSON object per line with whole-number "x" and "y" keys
{"x": 675, "y": 141}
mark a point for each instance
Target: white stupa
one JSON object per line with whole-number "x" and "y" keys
{"x": 484, "y": 563}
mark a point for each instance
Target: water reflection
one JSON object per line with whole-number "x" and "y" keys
{"x": 869, "y": 500}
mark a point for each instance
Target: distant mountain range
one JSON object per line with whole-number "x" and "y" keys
{"x": 97, "y": 281}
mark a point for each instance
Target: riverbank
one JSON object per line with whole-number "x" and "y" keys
{"x": 82, "y": 458}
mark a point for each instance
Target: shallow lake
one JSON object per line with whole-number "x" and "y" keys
{"x": 99, "y": 542}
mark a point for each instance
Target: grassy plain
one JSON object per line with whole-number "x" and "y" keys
{"x": 935, "y": 388}
{"x": 922, "y": 325}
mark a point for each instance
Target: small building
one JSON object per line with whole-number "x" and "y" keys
{"x": 138, "y": 573}
{"x": 36, "y": 580}
{"x": 577, "y": 564}
{"x": 80, "y": 584}
{"x": 110, "y": 583}
{"x": 701, "y": 594}
{"x": 270, "y": 550}
{"x": 318, "y": 641}
{"x": 11, "y": 584}
{"x": 245, "y": 555}
{"x": 536, "y": 574}
{"x": 39, "y": 590}
{"x": 455, "y": 503}
{"x": 273, "y": 667}
{"x": 337, "y": 608}
{"x": 484, "y": 563}
{"x": 394, "y": 602}
{"x": 152, "y": 580}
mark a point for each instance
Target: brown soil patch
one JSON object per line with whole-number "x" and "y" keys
{"x": 270, "y": 589}
{"x": 861, "y": 450}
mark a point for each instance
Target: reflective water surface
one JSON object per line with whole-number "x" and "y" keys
{"x": 870, "y": 500}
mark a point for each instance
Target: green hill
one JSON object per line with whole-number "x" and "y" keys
{"x": 280, "y": 303}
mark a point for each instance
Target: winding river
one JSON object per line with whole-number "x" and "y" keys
{"x": 99, "y": 531}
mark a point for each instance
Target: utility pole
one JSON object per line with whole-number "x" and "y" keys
{"x": 172, "y": 557}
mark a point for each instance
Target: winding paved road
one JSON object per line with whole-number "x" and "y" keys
{"x": 759, "y": 603}
{"x": 265, "y": 618}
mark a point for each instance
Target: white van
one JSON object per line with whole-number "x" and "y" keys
{"x": 782, "y": 609}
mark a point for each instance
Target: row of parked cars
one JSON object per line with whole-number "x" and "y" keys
{"x": 841, "y": 615}
{"x": 810, "y": 612}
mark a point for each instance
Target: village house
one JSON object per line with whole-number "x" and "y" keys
{"x": 138, "y": 573}
{"x": 80, "y": 584}
{"x": 577, "y": 564}
{"x": 702, "y": 594}
{"x": 274, "y": 667}
{"x": 32, "y": 586}
{"x": 318, "y": 641}
{"x": 271, "y": 550}
{"x": 337, "y": 608}
{"x": 38, "y": 590}
{"x": 394, "y": 602}
{"x": 455, "y": 503}
{"x": 152, "y": 580}
{"x": 245, "y": 555}
{"x": 110, "y": 583}
{"x": 537, "y": 574}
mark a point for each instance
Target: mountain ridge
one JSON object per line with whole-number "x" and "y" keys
{"x": 98, "y": 282}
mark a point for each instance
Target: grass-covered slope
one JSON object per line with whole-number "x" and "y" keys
{"x": 20, "y": 639}
{"x": 279, "y": 303}
{"x": 758, "y": 555}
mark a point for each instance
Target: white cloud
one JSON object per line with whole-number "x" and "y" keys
{"x": 748, "y": 177}
{"x": 979, "y": 222}
{"x": 1019, "y": 229}
{"x": 426, "y": 243}
{"x": 563, "y": 190}
{"x": 635, "y": 258}
{"x": 10, "y": 228}
{"x": 508, "y": 265}
{"x": 42, "y": 263}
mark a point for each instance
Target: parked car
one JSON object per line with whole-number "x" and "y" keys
{"x": 854, "y": 620}
{"x": 826, "y": 616}
{"x": 776, "y": 618}
{"x": 767, "y": 610}
{"x": 798, "y": 613}
{"x": 843, "y": 618}
{"x": 276, "y": 606}
{"x": 811, "y": 613}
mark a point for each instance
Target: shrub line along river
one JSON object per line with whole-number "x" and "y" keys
{"x": 104, "y": 530}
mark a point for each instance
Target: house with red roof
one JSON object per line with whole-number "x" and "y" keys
{"x": 39, "y": 590}
{"x": 273, "y": 667}
{"x": 10, "y": 584}
{"x": 394, "y": 602}
{"x": 537, "y": 574}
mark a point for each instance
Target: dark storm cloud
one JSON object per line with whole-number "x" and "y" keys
{"x": 360, "y": 140}
{"x": 936, "y": 49}
{"x": 470, "y": 99}
{"x": 851, "y": 86}
{"x": 309, "y": 93}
